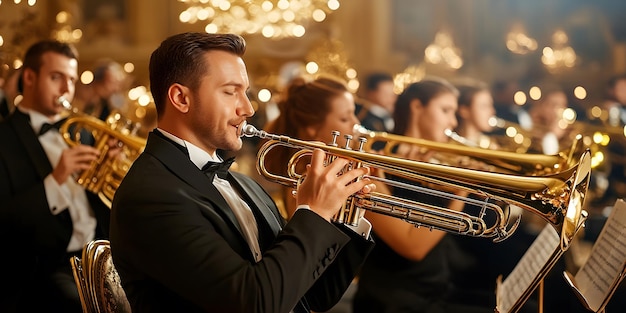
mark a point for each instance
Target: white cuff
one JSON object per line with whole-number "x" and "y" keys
{"x": 57, "y": 195}
{"x": 363, "y": 228}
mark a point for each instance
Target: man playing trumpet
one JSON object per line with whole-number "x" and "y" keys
{"x": 189, "y": 235}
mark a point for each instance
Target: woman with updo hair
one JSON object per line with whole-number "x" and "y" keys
{"x": 309, "y": 110}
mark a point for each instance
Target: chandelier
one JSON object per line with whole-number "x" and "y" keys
{"x": 443, "y": 51}
{"x": 329, "y": 57}
{"x": 518, "y": 42}
{"x": 271, "y": 18}
{"x": 560, "y": 54}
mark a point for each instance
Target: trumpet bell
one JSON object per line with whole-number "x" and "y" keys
{"x": 574, "y": 214}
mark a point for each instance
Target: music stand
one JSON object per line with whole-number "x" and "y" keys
{"x": 596, "y": 281}
{"x": 529, "y": 272}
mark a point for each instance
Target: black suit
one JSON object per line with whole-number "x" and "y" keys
{"x": 373, "y": 120}
{"x": 33, "y": 240}
{"x": 177, "y": 245}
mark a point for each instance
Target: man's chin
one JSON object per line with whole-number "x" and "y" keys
{"x": 235, "y": 145}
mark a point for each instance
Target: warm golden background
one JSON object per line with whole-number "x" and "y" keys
{"x": 485, "y": 39}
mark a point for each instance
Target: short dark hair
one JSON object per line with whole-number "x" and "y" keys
{"x": 373, "y": 80}
{"x": 32, "y": 58}
{"x": 180, "y": 59}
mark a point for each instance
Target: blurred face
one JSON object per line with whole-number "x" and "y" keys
{"x": 220, "y": 104}
{"x": 112, "y": 83}
{"x": 481, "y": 110}
{"x": 549, "y": 111}
{"x": 56, "y": 78}
{"x": 620, "y": 91}
{"x": 340, "y": 118}
{"x": 384, "y": 95}
{"x": 437, "y": 116}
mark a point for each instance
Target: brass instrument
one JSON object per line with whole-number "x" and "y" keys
{"x": 558, "y": 198}
{"x": 584, "y": 134}
{"x": 514, "y": 137}
{"x": 501, "y": 161}
{"x": 105, "y": 174}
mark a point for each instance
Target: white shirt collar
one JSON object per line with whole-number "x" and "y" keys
{"x": 37, "y": 119}
{"x": 379, "y": 111}
{"x": 198, "y": 156}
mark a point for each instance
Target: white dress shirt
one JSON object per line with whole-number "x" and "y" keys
{"x": 69, "y": 195}
{"x": 240, "y": 208}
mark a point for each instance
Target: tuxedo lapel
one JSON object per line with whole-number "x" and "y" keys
{"x": 254, "y": 200}
{"x": 180, "y": 165}
{"x": 20, "y": 122}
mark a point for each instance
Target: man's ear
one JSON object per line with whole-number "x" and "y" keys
{"x": 179, "y": 97}
{"x": 28, "y": 77}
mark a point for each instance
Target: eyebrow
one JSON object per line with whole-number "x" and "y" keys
{"x": 64, "y": 74}
{"x": 232, "y": 83}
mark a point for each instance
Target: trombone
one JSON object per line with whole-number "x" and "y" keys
{"x": 558, "y": 198}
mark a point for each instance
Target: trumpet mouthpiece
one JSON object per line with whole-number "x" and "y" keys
{"x": 246, "y": 130}
{"x": 66, "y": 104}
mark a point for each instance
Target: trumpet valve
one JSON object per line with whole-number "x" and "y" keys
{"x": 362, "y": 141}
{"x": 335, "y": 134}
{"x": 348, "y": 138}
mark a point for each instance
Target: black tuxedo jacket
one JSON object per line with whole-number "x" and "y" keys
{"x": 33, "y": 241}
{"x": 178, "y": 248}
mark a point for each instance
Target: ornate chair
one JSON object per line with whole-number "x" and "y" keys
{"x": 99, "y": 285}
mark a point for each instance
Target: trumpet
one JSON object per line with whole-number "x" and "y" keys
{"x": 502, "y": 161}
{"x": 557, "y": 198}
{"x": 105, "y": 174}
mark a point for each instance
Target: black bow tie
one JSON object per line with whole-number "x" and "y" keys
{"x": 46, "y": 126}
{"x": 219, "y": 168}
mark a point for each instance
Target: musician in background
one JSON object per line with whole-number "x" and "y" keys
{"x": 615, "y": 100}
{"x": 188, "y": 235}
{"x": 476, "y": 263}
{"x": 105, "y": 94}
{"x": 8, "y": 92}
{"x": 615, "y": 104}
{"x": 375, "y": 109}
{"x": 475, "y": 110}
{"x": 45, "y": 216}
{"x": 549, "y": 132}
{"x": 409, "y": 268}
{"x": 503, "y": 92}
{"x": 310, "y": 110}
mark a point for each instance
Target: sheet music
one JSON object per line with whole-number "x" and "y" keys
{"x": 598, "y": 277}
{"x": 537, "y": 260}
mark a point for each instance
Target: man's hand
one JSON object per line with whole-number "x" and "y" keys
{"x": 326, "y": 188}
{"x": 73, "y": 160}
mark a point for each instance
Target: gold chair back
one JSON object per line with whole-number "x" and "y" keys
{"x": 99, "y": 285}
